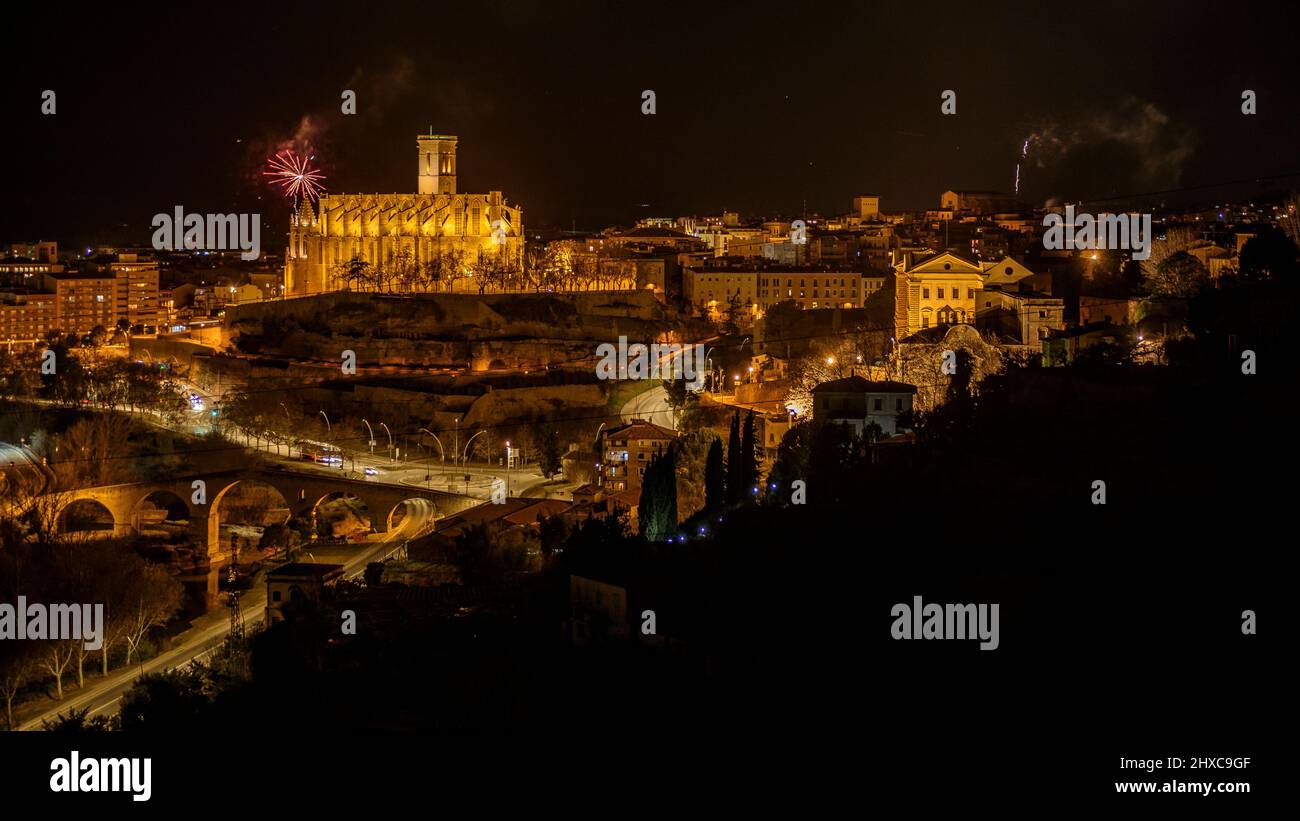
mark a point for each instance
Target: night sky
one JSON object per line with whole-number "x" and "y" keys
{"x": 761, "y": 109}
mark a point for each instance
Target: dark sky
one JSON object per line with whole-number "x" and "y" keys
{"x": 760, "y": 107}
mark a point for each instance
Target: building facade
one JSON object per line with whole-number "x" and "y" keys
{"x": 390, "y": 231}
{"x": 626, "y": 451}
{"x": 938, "y": 290}
{"x": 859, "y": 402}
{"x": 713, "y": 290}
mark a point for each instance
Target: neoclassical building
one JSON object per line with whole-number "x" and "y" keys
{"x": 944, "y": 289}
{"x": 378, "y": 228}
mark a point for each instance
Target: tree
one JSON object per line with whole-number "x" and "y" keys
{"x": 735, "y": 481}
{"x": 827, "y": 361}
{"x": 778, "y": 324}
{"x": 18, "y": 661}
{"x": 1269, "y": 255}
{"x": 657, "y": 508}
{"x": 156, "y": 599}
{"x": 1179, "y": 275}
{"x": 835, "y": 456}
{"x": 173, "y": 701}
{"x": 715, "y": 487}
{"x": 748, "y": 458}
{"x": 93, "y": 452}
{"x": 79, "y": 721}
{"x": 55, "y": 658}
{"x": 793, "y": 456}
{"x": 552, "y": 453}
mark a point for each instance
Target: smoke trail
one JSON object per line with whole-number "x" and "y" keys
{"x": 1134, "y": 145}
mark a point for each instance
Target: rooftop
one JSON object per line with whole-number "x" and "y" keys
{"x": 305, "y": 569}
{"x": 858, "y": 384}
{"x": 641, "y": 429}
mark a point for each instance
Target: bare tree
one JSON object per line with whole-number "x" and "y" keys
{"x": 1177, "y": 239}
{"x": 55, "y": 658}
{"x": 156, "y": 600}
{"x": 18, "y": 662}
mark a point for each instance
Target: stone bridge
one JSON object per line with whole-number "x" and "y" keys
{"x": 302, "y": 492}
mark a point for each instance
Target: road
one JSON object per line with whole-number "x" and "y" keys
{"x": 210, "y": 630}
{"x": 652, "y": 406}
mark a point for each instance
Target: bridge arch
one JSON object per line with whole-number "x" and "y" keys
{"x": 228, "y": 492}
{"x": 87, "y": 516}
{"x": 398, "y": 512}
{"x": 173, "y": 505}
{"x": 368, "y": 515}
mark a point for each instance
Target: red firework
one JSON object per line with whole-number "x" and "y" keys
{"x": 294, "y": 175}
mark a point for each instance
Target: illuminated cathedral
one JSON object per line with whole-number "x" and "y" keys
{"x": 381, "y": 228}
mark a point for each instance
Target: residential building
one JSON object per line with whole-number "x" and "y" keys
{"x": 1025, "y": 316}
{"x": 27, "y": 317}
{"x": 626, "y": 452}
{"x": 297, "y": 581}
{"x": 26, "y": 272}
{"x": 135, "y": 297}
{"x": 859, "y": 402}
{"x": 83, "y": 300}
{"x": 714, "y": 291}
{"x": 816, "y": 288}
{"x": 38, "y": 251}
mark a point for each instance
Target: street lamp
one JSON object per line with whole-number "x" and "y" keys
{"x": 328, "y": 430}
{"x": 442, "y": 455}
{"x": 390, "y": 439}
{"x": 372, "y": 435}
{"x": 465, "y": 459}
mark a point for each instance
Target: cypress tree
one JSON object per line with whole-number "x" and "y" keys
{"x": 657, "y": 509}
{"x": 715, "y": 488}
{"x": 748, "y": 460}
{"x": 735, "y": 481}
{"x": 647, "y": 507}
{"x": 668, "y": 493}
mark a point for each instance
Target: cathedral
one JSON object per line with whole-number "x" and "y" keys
{"x": 406, "y": 228}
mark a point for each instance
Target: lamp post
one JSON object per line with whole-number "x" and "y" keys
{"x": 390, "y": 440}
{"x": 465, "y": 459}
{"x": 442, "y": 456}
{"x": 372, "y": 436}
{"x": 600, "y": 479}
{"x": 288, "y": 419}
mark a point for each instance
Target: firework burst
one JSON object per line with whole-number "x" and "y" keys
{"x": 294, "y": 175}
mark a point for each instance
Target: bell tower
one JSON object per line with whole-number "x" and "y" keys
{"x": 437, "y": 163}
